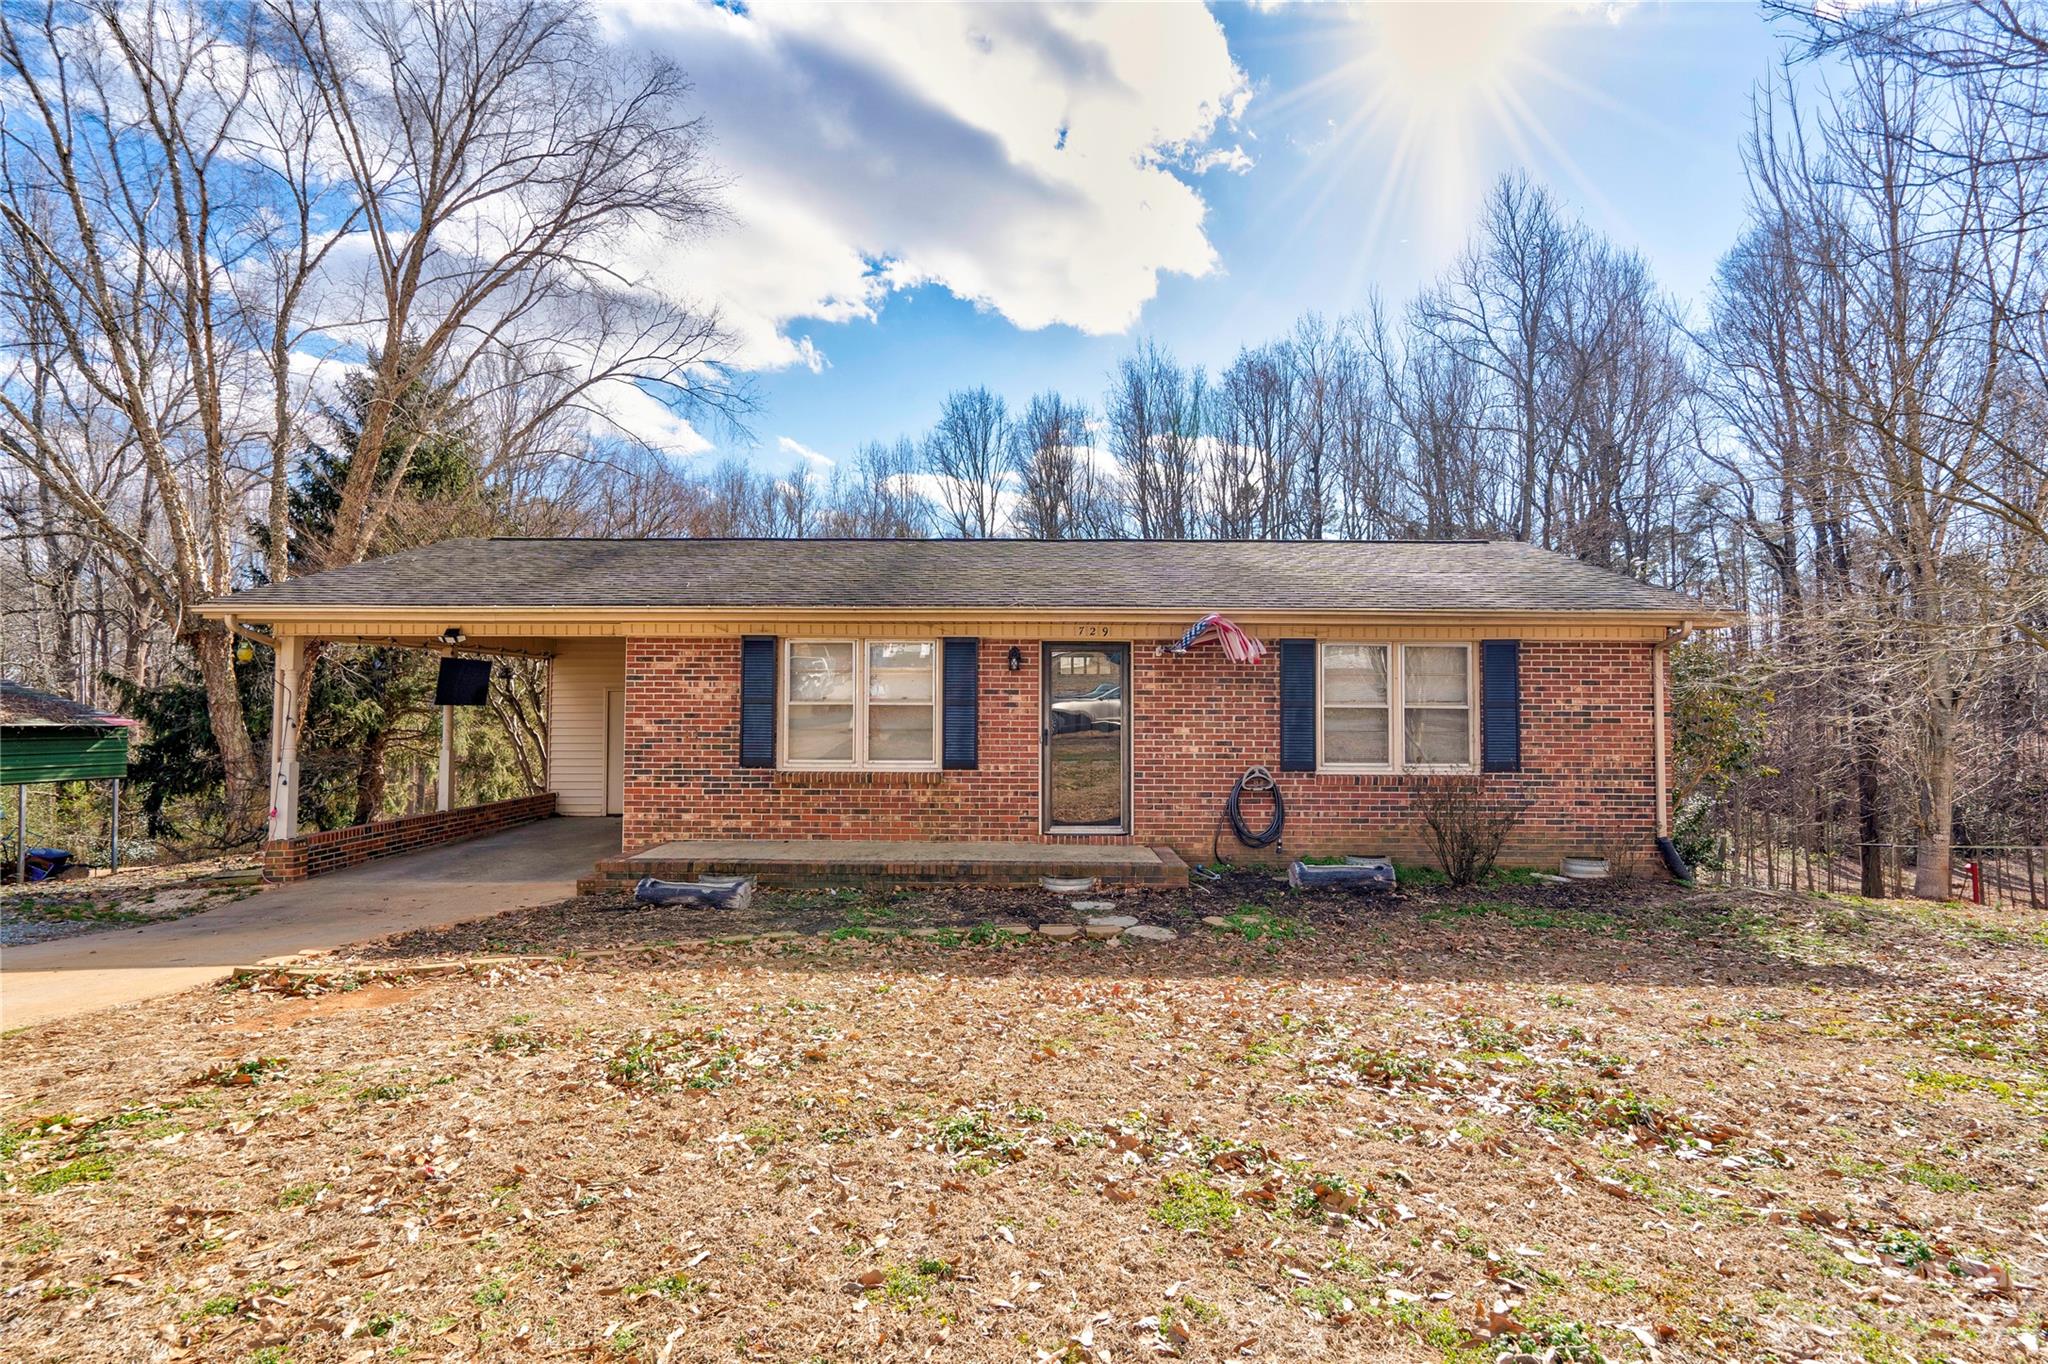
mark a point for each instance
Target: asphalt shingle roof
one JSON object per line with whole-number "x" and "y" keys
{"x": 1193, "y": 575}
{"x": 21, "y": 708}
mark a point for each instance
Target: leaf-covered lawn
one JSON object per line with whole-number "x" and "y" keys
{"x": 1572, "y": 1123}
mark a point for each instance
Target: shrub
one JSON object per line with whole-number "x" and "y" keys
{"x": 1465, "y": 826}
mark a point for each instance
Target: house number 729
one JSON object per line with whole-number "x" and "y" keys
{"x": 1092, "y": 631}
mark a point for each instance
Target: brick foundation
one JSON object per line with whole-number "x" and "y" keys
{"x": 315, "y": 854}
{"x": 1196, "y": 721}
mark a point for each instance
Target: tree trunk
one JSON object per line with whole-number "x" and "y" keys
{"x": 1869, "y": 808}
{"x": 1931, "y": 871}
{"x": 244, "y": 785}
{"x": 370, "y": 772}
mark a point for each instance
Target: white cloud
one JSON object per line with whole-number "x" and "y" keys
{"x": 1234, "y": 159}
{"x": 1027, "y": 158}
{"x": 796, "y": 448}
{"x": 631, "y": 411}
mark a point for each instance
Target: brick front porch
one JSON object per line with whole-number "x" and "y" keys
{"x": 825, "y": 863}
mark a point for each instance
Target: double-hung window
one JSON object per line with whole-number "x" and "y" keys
{"x": 1436, "y": 705}
{"x": 852, "y": 703}
{"x": 1388, "y": 708}
{"x": 1358, "y": 706}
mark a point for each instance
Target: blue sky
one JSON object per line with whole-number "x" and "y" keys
{"x": 927, "y": 199}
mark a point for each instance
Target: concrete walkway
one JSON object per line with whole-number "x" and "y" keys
{"x": 852, "y": 861}
{"x": 530, "y": 865}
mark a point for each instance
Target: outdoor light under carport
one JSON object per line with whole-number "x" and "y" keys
{"x": 46, "y": 738}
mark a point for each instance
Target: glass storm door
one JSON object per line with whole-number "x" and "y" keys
{"x": 1087, "y": 744}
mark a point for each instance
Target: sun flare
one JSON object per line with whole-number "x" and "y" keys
{"x": 1423, "y": 98}
{"x": 1432, "y": 62}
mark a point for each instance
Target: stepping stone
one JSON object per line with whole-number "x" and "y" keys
{"x": 928, "y": 932}
{"x": 1060, "y": 931}
{"x": 780, "y": 935}
{"x": 1093, "y": 906}
{"x": 1215, "y": 921}
{"x": 1151, "y": 933}
{"x": 1099, "y": 930}
{"x": 1112, "y": 921}
{"x": 1013, "y": 928}
{"x": 1068, "y": 885}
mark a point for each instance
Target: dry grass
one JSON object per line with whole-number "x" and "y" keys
{"x": 1433, "y": 1128}
{"x": 78, "y": 903}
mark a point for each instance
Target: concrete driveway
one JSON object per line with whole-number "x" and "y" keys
{"x": 530, "y": 865}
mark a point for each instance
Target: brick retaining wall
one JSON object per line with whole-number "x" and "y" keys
{"x": 315, "y": 854}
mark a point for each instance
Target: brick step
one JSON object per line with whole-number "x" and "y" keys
{"x": 818, "y": 867}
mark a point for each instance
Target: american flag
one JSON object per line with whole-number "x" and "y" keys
{"x": 1238, "y": 646}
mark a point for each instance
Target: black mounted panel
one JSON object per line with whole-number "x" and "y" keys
{"x": 463, "y": 682}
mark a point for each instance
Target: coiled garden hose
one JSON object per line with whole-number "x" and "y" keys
{"x": 1257, "y": 782}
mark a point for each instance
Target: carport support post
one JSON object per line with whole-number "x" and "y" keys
{"x": 444, "y": 797}
{"x": 114, "y": 831}
{"x": 20, "y": 836}
{"x": 284, "y": 737}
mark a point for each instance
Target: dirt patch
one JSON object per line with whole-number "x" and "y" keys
{"x": 291, "y": 1012}
{"x": 1578, "y": 1124}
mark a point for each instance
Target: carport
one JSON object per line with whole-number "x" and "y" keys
{"x": 49, "y": 738}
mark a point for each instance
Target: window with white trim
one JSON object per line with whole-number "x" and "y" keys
{"x": 1364, "y": 687}
{"x": 1436, "y": 705}
{"x": 854, "y": 703}
{"x": 1358, "y": 706}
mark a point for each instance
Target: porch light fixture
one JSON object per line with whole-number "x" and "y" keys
{"x": 453, "y": 636}
{"x": 1016, "y": 659}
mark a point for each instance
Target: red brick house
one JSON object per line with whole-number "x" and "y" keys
{"x": 1019, "y": 692}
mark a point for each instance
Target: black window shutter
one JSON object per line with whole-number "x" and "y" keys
{"x": 757, "y": 701}
{"x": 1297, "y": 705}
{"x": 1500, "y": 705}
{"x": 960, "y": 693}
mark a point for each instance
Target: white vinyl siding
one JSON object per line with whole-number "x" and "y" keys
{"x": 582, "y": 672}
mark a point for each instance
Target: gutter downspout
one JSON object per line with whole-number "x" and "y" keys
{"x": 1660, "y": 653}
{"x": 236, "y": 627}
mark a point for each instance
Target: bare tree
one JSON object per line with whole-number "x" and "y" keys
{"x": 1989, "y": 61}
{"x": 1622, "y": 424}
{"x": 1256, "y": 408}
{"x": 1903, "y": 285}
{"x": 1496, "y": 311}
{"x": 175, "y": 186}
{"x": 1317, "y": 358}
{"x": 136, "y": 197}
{"x": 1155, "y": 413}
{"x": 1052, "y": 458}
{"x": 1369, "y": 467}
{"x": 968, "y": 456}
{"x": 878, "y": 497}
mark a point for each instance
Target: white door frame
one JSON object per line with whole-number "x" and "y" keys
{"x": 614, "y": 751}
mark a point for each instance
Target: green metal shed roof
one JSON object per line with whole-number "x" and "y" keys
{"x": 51, "y": 754}
{"x": 52, "y": 738}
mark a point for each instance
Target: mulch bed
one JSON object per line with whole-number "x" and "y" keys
{"x": 612, "y": 919}
{"x": 1621, "y": 1122}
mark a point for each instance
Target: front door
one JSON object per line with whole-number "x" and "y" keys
{"x": 1087, "y": 738}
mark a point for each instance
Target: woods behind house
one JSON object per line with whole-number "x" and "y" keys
{"x": 1845, "y": 440}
